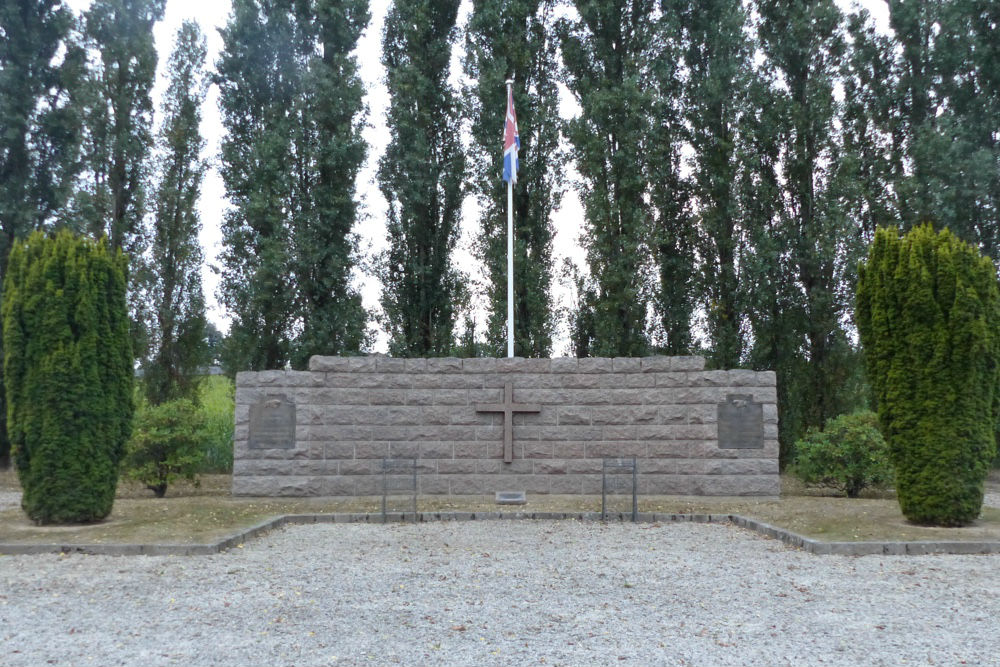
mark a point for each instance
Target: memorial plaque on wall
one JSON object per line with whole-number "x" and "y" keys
{"x": 741, "y": 423}
{"x": 272, "y": 424}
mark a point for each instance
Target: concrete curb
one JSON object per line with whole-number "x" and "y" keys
{"x": 794, "y": 540}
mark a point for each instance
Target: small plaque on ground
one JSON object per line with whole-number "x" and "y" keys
{"x": 272, "y": 423}
{"x": 511, "y": 498}
{"x": 741, "y": 423}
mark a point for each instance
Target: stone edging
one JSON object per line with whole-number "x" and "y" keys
{"x": 237, "y": 539}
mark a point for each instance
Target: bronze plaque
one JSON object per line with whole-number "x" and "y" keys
{"x": 272, "y": 423}
{"x": 741, "y": 423}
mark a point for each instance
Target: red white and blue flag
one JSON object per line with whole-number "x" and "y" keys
{"x": 511, "y": 141}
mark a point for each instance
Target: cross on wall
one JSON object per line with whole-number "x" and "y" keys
{"x": 508, "y": 408}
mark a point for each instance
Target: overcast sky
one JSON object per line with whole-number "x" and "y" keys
{"x": 213, "y": 14}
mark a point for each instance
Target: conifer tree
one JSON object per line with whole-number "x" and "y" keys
{"x": 928, "y": 311}
{"x": 67, "y": 374}
{"x": 504, "y": 40}
{"x": 40, "y": 125}
{"x": 421, "y": 176}
{"x": 607, "y": 53}
{"x": 175, "y": 290}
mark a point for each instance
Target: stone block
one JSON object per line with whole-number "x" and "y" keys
{"x": 564, "y": 365}
{"x": 437, "y": 450}
{"x": 536, "y": 450}
{"x": 364, "y": 364}
{"x": 619, "y": 432}
{"x": 770, "y": 413}
{"x": 384, "y": 364}
{"x": 626, "y": 364}
{"x": 576, "y": 433}
{"x": 526, "y": 433}
{"x": 624, "y": 396}
{"x": 404, "y": 450}
{"x": 329, "y": 396}
{"x": 670, "y": 380}
{"x": 597, "y": 450}
{"x": 523, "y": 365}
{"x": 580, "y": 381}
{"x": 611, "y": 415}
{"x": 470, "y": 450}
{"x": 595, "y": 365}
{"x": 433, "y": 484}
{"x": 339, "y": 450}
{"x": 387, "y": 396}
{"x": 657, "y": 364}
{"x": 415, "y": 365}
{"x": 668, "y": 450}
{"x": 568, "y": 449}
{"x": 456, "y": 466}
{"x": 550, "y": 467}
{"x": 566, "y": 484}
{"x": 446, "y": 380}
{"x": 547, "y": 416}
{"x": 444, "y": 365}
{"x": 479, "y": 365}
{"x": 687, "y": 363}
{"x": 438, "y": 397}
{"x": 574, "y": 415}
{"x": 438, "y": 415}
{"x": 397, "y": 415}
{"x": 489, "y": 433}
{"x": 320, "y": 363}
{"x": 359, "y": 467}
{"x": 377, "y": 449}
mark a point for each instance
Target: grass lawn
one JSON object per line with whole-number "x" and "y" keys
{"x": 197, "y": 515}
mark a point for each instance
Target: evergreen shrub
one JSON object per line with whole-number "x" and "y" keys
{"x": 849, "y": 455}
{"x": 167, "y": 443}
{"x": 67, "y": 374}
{"x": 928, "y": 315}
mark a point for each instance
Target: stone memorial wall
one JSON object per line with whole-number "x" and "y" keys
{"x": 480, "y": 426}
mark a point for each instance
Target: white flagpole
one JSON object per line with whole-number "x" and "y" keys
{"x": 510, "y": 253}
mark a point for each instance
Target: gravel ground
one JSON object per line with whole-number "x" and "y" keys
{"x": 501, "y": 593}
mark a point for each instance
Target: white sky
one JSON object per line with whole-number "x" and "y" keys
{"x": 213, "y": 14}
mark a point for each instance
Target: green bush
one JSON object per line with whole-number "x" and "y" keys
{"x": 849, "y": 455}
{"x": 928, "y": 312}
{"x": 167, "y": 443}
{"x": 216, "y": 395}
{"x": 67, "y": 374}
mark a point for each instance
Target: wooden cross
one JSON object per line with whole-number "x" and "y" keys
{"x": 508, "y": 408}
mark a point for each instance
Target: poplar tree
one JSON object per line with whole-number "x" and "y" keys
{"x": 421, "y": 177}
{"x": 804, "y": 48}
{"x": 607, "y": 52}
{"x": 118, "y": 116}
{"x": 716, "y": 55}
{"x": 40, "y": 126}
{"x": 330, "y": 151}
{"x": 258, "y": 77}
{"x": 175, "y": 292}
{"x": 514, "y": 39}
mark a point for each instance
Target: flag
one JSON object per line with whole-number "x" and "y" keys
{"x": 511, "y": 141}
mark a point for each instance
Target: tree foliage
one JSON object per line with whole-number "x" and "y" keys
{"x": 928, "y": 313}
{"x": 421, "y": 177}
{"x": 292, "y": 108}
{"x": 178, "y": 304}
{"x": 167, "y": 443}
{"x": 607, "y": 53}
{"x": 848, "y": 454}
{"x": 67, "y": 374}
{"x": 40, "y": 125}
{"x": 514, "y": 40}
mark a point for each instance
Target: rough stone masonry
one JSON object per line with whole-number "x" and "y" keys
{"x": 478, "y": 426}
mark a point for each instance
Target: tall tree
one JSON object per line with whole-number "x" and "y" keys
{"x": 513, "y": 39}
{"x": 803, "y": 44}
{"x": 118, "y": 118}
{"x": 673, "y": 237}
{"x": 717, "y": 58}
{"x": 40, "y": 126}
{"x": 330, "y": 151}
{"x": 176, "y": 296}
{"x": 607, "y": 52}
{"x": 421, "y": 177}
{"x": 258, "y": 76}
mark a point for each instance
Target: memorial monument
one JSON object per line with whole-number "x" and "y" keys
{"x": 481, "y": 426}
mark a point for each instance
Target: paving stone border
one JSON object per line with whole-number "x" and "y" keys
{"x": 237, "y": 539}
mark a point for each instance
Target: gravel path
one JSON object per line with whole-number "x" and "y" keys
{"x": 492, "y": 593}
